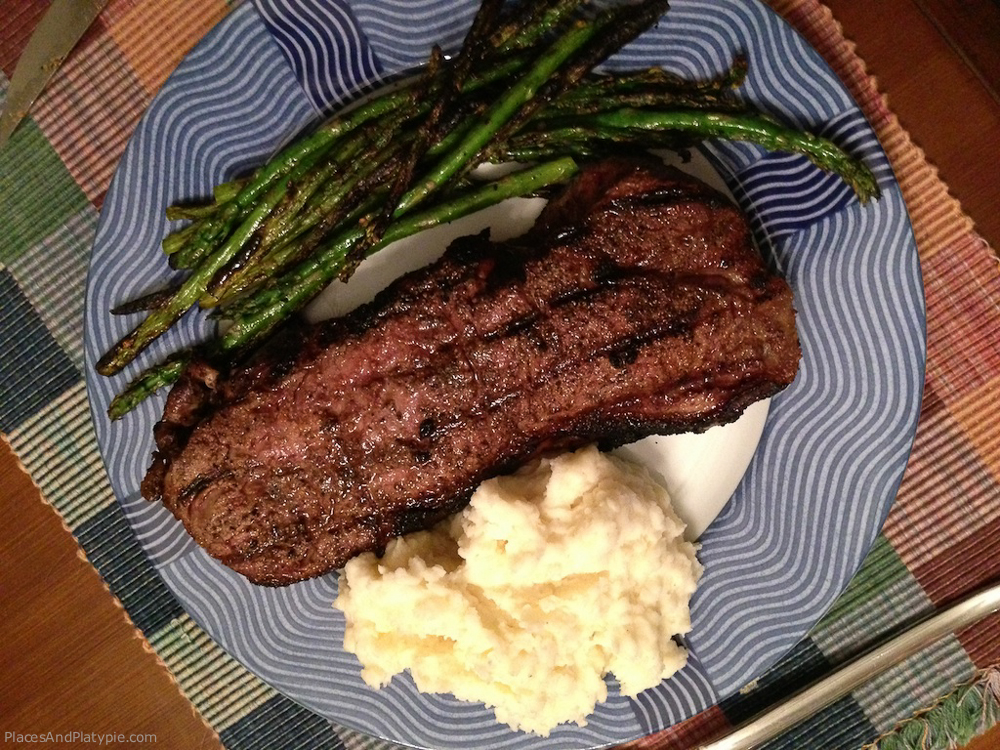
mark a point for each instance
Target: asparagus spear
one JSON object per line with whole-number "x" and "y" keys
{"x": 151, "y": 380}
{"x": 526, "y": 30}
{"x": 475, "y": 45}
{"x": 638, "y": 81}
{"x": 652, "y": 87}
{"x": 227, "y": 191}
{"x": 176, "y": 240}
{"x": 192, "y": 212}
{"x": 635, "y": 126}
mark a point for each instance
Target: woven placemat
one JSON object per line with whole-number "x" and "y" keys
{"x": 940, "y": 539}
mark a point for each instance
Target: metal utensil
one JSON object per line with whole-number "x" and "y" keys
{"x": 60, "y": 29}
{"x": 874, "y": 662}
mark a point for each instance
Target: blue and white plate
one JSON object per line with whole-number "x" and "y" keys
{"x": 831, "y": 449}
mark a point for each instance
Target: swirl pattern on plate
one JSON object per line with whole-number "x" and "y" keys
{"x": 835, "y": 443}
{"x": 403, "y": 31}
{"x": 323, "y": 43}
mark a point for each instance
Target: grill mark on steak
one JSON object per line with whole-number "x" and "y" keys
{"x": 635, "y": 306}
{"x": 198, "y": 485}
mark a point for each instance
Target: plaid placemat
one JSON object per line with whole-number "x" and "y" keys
{"x": 940, "y": 540}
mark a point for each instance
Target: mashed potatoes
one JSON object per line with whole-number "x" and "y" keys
{"x": 551, "y": 578}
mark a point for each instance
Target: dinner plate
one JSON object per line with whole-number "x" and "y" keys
{"x": 802, "y": 505}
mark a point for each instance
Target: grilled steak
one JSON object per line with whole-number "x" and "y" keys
{"x": 635, "y": 306}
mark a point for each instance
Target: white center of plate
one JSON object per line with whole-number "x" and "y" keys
{"x": 700, "y": 471}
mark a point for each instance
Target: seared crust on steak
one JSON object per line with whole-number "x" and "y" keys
{"x": 636, "y": 306}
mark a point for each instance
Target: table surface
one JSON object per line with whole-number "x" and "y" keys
{"x": 940, "y": 71}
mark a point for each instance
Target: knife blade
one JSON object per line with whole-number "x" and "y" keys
{"x": 806, "y": 703}
{"x": 53, "y": 39}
